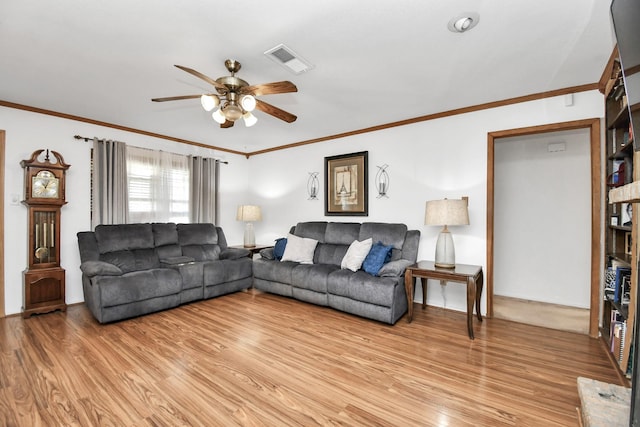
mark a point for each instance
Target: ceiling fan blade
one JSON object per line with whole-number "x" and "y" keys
{"x": 227, "y": 124}
{"x": 275, "y": 111}
{"x": 176, "y": 98}
{"x": 270, "y": 88}
{"x": 203, "y": 77}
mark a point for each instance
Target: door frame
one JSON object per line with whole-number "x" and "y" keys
{"x": 2, "y": 161}
{"x": 596, "y": 205}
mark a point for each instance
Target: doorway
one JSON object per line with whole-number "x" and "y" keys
{"x": 590, "y": 254}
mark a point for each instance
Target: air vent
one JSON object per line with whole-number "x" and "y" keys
{"x": 286, "y": 57}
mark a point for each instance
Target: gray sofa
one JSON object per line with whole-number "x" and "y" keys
{"x": 380, "y": 297}
{"x": 134, "y": 269}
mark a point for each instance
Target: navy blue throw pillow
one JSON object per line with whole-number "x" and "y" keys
{"x": 278, "y": 249}
{"x": 377, "y": 257}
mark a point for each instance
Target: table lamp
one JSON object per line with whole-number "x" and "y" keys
{"x": 249, "y": 214}
{"x": 446, "y": 212}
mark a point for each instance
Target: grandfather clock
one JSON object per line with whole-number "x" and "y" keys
{"x": 44, "y": 286}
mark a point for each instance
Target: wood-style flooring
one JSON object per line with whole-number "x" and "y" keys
{"x": 254, "y": 359}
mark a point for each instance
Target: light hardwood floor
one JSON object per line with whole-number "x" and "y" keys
{"x": 554, "y": 316}
{"x": 254, "y": 359}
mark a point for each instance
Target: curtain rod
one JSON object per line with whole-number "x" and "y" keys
{"x": 86, "y": 139}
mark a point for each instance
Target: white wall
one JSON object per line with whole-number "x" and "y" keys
{"x": 542, "y": 233}
{"x": 427, "y": 160}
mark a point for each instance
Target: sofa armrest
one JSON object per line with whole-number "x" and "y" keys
{"x": 100, "y": 268}
{"x": 235, "y": 253}
{"x": 394, "y": 268}
{"x": 176, "y": 260}
{"x": 267, "y": 253}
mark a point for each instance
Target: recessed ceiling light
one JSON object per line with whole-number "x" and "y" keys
{"x": 463, "y": 22}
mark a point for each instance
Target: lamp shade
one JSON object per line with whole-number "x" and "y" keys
{"x": 248, "y": 103}
{"x": 249, "y": 213}
{"x": 249, "y": 119}
{"x": 209, "y": 102}
{"x": 218, "y": 116}
{"x": 447, "y": 212}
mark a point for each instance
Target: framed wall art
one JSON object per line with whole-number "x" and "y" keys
{"x": 346, "y": 189}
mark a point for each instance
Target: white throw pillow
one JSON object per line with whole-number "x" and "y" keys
{"x": 356, "y": 254}
{"x": 299, "y": 249}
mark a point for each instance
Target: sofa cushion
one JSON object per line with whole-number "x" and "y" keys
{"x": 225, "y": 271}
{"x": 342, "y": 233}
{"x": 394, "y": 268}
{"x": 377, "y": 256}
{"x": 112, "y": 238}
{"x": 327, "y": 253}
{"x": 299, "y": 249}
{"x": 168, "y": 251}
{"x": 191, "y": 273}
{"x": 312, "y": 230}
{"x": 176, "y": 260}
{"x": 138, "y": 286}
{"x": 202, "y": 252}
{"x": 362, "y": 286}
{"x": 388, "y": 234}
{"x": 197, "y": 234}
{"x": 165, "y": 233}
{"x": 99, "y": 268}
{"x": 312, "y": 276}
{"x": 356, "y": 254}
{"x": 274, "y": 271}
{"x": 132, "y": 260}
{"x": 278, "y": 249}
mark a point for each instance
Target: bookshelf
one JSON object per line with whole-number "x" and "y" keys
{"x": 621, "y": 228}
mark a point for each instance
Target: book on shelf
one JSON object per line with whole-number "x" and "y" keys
{"x": 618, "y": 331}
{"x": 622, "y": 276}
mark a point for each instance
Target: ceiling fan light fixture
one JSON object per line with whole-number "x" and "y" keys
{"x": 218, "y": 116}
{"x": 209, "y": 102}
{"x": 248, "y": 103}
{"x": 232, "y": 112}
{"x": 249, "y": 119}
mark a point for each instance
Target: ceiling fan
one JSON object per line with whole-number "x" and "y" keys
{"x": 236, "y": 98}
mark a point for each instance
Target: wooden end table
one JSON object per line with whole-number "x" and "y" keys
{"x": 253, "y": 249}
{"x": 470, "y": 274}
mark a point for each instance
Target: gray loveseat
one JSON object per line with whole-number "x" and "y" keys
{"x": 134, "y": 269}
{"x": 324, "y": 282}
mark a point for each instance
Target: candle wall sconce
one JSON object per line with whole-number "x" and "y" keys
{"x": 312, "y": 185}
{"x": 382, "y": 181}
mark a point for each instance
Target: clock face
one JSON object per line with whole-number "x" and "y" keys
{"x": 44, "y": 185}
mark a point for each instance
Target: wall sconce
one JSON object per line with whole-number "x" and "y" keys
{"x": 446, "y": 212}
{"x": 249, "y": 214}
{"x": 312, "y": 186}
{"x": 382, "y": 181}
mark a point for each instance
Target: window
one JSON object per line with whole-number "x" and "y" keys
{"x": 159, "y": 186}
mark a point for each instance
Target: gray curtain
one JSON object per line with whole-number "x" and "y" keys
{"x": 110, "y": 204}
{"x": 204, "y": 190}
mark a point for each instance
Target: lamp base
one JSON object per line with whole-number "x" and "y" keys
{"x": 450, "y": 266}
{"x": 249, "y": 236}
{"x": 445, "y": 251}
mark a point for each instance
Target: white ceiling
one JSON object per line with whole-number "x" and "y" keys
{"x": 376, "y": 61}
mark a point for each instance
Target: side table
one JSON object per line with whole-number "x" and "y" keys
{"x": 253, "y": 249}
{"x": 470, "y": 274}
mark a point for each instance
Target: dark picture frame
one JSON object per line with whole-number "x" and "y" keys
{"x": 346, "y": 184}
